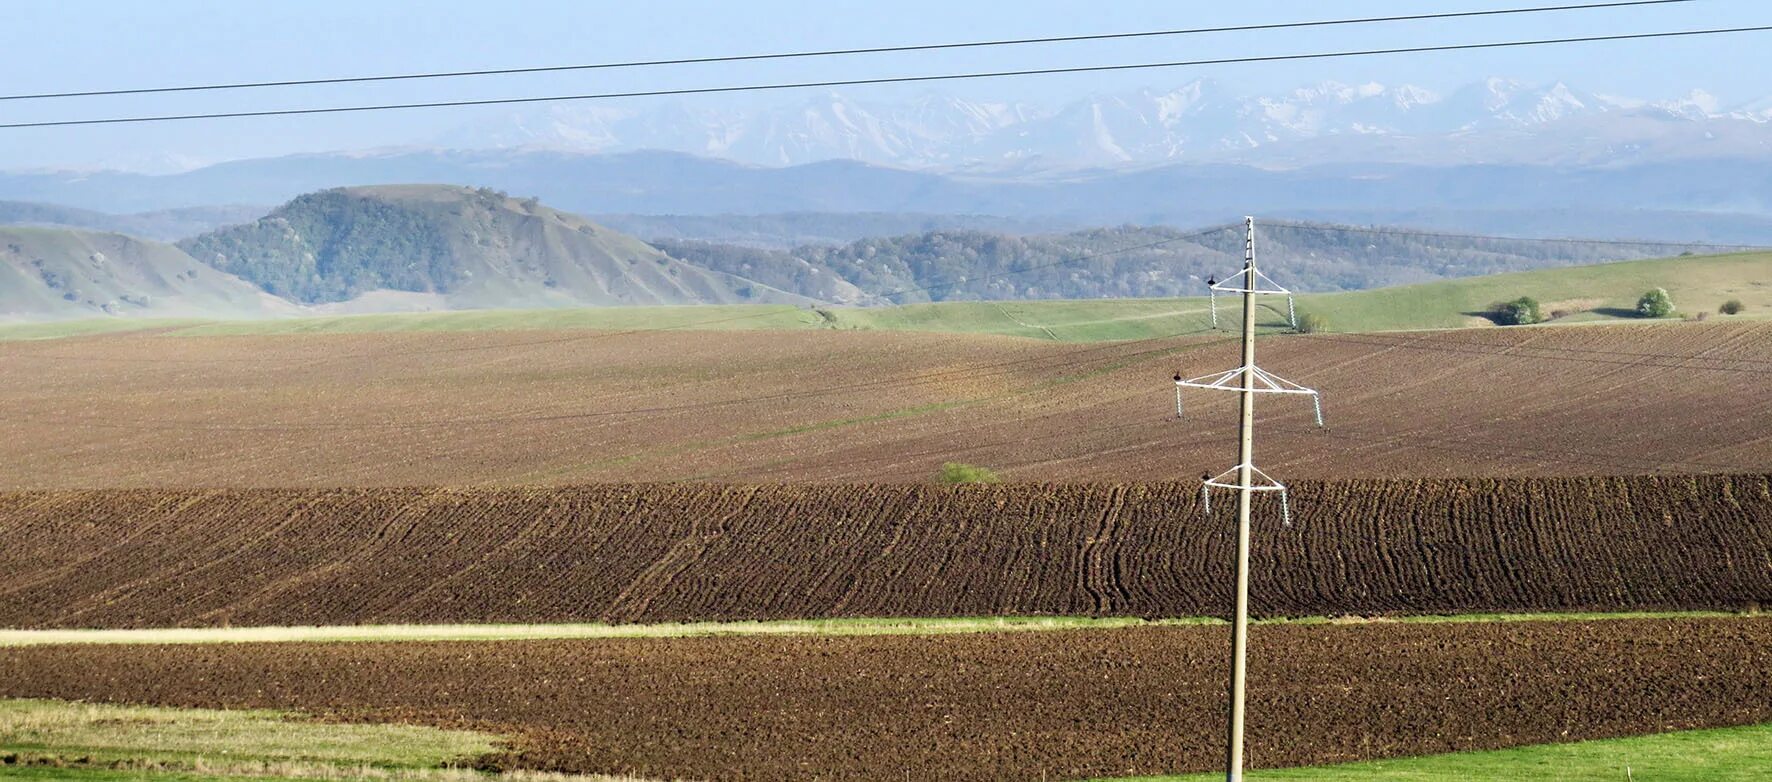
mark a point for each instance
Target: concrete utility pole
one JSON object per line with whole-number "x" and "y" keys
{"x": 1248, "y": 380}
{"x": 1245, "y": 497}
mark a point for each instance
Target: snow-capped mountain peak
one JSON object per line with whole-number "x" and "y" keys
{"x": 1198, "y": 120}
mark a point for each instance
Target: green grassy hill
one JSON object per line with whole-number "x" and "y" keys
{"x": 1589, "y": 293}
{"x": 1698, "y": 284}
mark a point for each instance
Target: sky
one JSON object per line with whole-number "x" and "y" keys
{"x": 112, "y": 44}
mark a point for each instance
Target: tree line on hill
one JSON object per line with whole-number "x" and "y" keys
{"x": 955, "y": 265}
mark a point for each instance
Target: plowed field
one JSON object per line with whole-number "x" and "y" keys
{"x": 649, "y": 553}
{"x": 529, "y": 408}
{"x": 1055, "y": 705}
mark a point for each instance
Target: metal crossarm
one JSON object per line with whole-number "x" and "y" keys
{"x": 1232, "y": 479}
{"x": 1265, "y": 382}
{"x": 1238, "y": 283}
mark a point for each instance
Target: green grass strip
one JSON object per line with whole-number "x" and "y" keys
{"x": 865, "y": 626}
{"x": 1711, "y": 755}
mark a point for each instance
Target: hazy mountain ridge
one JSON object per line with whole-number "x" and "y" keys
{"x": 469, "y": 247}
{"x": 165, "y": 225}
{"x": 662, "y": 183}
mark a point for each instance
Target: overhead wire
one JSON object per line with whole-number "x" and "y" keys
{"x": 835, "y": 52}
{"x": 888, "y": 80}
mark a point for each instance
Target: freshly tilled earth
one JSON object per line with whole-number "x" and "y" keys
{"x": 655, "y": 553}
{"x": 1023, "y": 706}
{"x": 571, "y": 407}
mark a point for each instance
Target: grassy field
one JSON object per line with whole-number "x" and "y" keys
{"x": 1717, "y": 755}
{"x": 1604, "y": 291}
{"x": 47, "y": 739}
{"x": 60, "y": 740}
{"x": 1590, "y": 293}
{"x": 883, "y": 626}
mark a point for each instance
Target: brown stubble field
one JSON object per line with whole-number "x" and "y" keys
{"x": 1050, "y": 705}
{"x": 525, "y": 408}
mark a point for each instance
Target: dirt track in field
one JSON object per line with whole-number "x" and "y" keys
{"x": 1052, "y": 705}
{"x": 651, "y": 553}
{"x": 573, "y": 407}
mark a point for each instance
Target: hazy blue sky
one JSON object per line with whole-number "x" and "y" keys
{"x": 72, "y": 45}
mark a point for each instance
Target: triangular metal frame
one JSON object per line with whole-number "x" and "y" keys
{"x": 1266, "y": 482}
{"x": 1235, "y": 284}
{"x": 1265, "y": 383}
{"x": 1259, "y": 481}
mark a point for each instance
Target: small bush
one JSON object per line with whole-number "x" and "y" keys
{"x": 1732, "y": 307}
{"x": 955, "y": 472}
{"x": 1522, "y": 311}
{"x": 1655, "y": 304}
{"x": 1311, "y": 323}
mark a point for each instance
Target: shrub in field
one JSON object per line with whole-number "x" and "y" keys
{"x": 955, "y": 472}
{"x": 1655, "y": 304}
{"x": 1522, "y": 311}
{"x": 1732, "y": 307}
{"x": 1311, "y": 323}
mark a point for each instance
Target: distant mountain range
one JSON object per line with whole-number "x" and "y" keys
{"x": 1495, "y": 121}
{"x": 435, "y": 247}
{"x": 664, "y": 183}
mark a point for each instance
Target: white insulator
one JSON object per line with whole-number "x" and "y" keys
{"x": 1206, "y": 499}
{"x": 1212, "y": 296}
{"x": 1316, "y": 402}
{"x": 1178, "y": 401}
{"x": 1291, "y": 312}
{"x": 1285, "y": 509}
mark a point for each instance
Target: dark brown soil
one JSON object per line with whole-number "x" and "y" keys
{"x": 650, "y": 553}
{"x": 1048, "y": 705}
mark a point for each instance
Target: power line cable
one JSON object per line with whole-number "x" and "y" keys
{"x": 887, "y": 80}
{"x": 837, "y": 52}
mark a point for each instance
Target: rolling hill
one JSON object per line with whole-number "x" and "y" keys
{"x": 1593, "y": 293}
{"x": 55, "y": 274}
{"x": 447, "y": 247}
